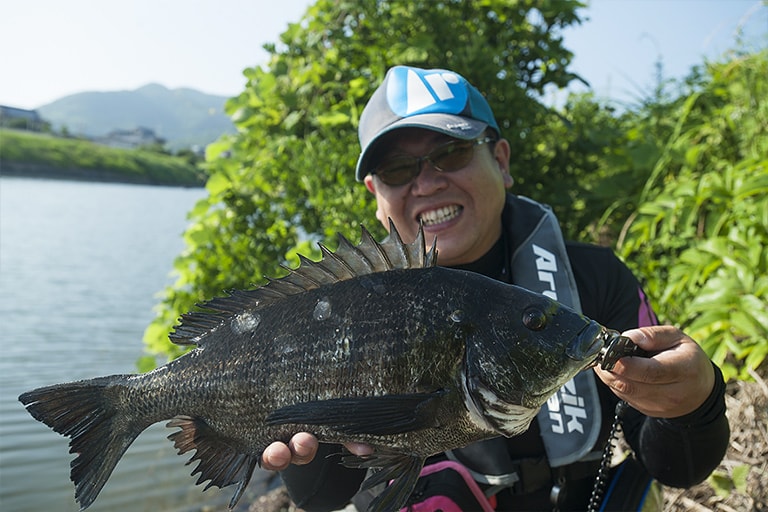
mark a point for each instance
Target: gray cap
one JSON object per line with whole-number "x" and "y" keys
{"x": 435, "y": 99}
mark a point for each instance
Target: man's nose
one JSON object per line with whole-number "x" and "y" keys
{"x": 429, "y": 179}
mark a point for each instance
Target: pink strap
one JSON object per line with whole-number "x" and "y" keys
{"x": 442, "y": 502}
{"x": 645, "y": 315}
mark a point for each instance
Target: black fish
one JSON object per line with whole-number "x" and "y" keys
{"x": 374, "y": 343}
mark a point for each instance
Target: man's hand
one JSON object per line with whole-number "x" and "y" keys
{"x": 301, "y": 449}
{"x": 674, "y": 381}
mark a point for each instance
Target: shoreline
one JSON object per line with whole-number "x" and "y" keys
{"x": 40, "y": 171}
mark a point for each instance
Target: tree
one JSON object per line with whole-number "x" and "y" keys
{"x": 285, "y": 180}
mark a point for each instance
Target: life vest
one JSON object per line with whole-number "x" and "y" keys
{"x": 570, "y": 420}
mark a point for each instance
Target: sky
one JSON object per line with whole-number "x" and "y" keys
{"x": 54, "y": 48}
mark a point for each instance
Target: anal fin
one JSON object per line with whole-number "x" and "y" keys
{"x": 401, "y": 469}
{"x": 219, "y": 461}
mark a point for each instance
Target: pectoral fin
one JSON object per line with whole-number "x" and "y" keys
{"x": 402, "y": 470}
{"x": 380, "y": 415}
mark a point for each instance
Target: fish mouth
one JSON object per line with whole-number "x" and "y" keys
{"x": 439, "y": 215}
{"x": 587, "y": 343}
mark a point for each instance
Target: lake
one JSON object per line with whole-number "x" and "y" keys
{"x": 81, "y": 267}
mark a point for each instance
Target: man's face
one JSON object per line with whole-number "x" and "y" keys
{"x": 462, "y": 208}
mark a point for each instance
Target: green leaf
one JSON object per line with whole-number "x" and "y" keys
{"x": 217, "y": 183}
{"x": 739, "y": 475}
{"x": 721, "y": 483}
{"x": 333, "y": 119}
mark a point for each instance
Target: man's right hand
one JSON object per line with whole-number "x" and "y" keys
{"x": 301, "y": 449}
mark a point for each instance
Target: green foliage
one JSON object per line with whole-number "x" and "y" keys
{"x": 57, "y": 155}
{"x": 725, "y": 484}
{"x": 585, "y": 166}
{"x": 679, "y": 183}
{"x": 701, "y": 230}
{"x": 594, "y": 163}
{"x": 286, "y": 179}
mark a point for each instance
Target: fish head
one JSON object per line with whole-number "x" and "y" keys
{"x": 527, "y": 348}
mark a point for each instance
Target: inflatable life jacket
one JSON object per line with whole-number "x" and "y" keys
{"x": 571, "y": 419}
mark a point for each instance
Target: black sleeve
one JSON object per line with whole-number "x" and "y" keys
{"x": 681, "y": 452}
{"x": 678, "y": 452}
{"x": 323, "y": 484}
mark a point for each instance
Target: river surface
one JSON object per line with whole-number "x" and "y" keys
{"x": 81, "y": 267}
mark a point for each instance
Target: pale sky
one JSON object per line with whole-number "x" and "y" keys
{"x": 53, "y": 48}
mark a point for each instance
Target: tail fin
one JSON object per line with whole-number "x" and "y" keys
{"x": 89, "y": 413}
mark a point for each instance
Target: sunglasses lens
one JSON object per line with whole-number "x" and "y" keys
{"x": 453, "y": 156}
{"x": 398, "y": 172}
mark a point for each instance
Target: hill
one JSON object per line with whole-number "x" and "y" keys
{"x": 183, "y": 117}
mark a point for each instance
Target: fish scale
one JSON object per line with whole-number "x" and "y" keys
{"x": 373, "y": 343}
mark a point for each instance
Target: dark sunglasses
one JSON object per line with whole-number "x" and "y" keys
{"x": 449, "y": 157}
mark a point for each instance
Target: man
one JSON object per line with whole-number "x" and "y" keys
{"x": 433, "y": 155}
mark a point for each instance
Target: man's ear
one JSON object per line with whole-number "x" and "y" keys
{"x": 368, "y": 180}
{"x": 501, "y": 153}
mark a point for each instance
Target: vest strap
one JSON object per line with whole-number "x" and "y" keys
{"x": 570, "y": 420}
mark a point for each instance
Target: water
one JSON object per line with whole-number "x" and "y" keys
{"x": 81, "y": 265}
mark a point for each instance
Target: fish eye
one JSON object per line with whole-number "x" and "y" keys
{"x": 534, "y": 319}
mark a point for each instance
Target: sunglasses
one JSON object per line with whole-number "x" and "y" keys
{"x": 449, "y": 157}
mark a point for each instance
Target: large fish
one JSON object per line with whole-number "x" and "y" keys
{"x": 374, "y": 343}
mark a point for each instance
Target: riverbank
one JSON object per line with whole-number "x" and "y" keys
{"x": 36, "y": 155}
{"x": 41, "y": 171}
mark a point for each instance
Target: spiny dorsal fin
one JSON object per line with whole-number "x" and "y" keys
{"x": 349, "y": 261}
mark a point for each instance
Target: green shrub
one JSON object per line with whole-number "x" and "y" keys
{"x": 701, "y": 231}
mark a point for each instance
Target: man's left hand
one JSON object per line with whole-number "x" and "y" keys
{"x": 674, "y": 381}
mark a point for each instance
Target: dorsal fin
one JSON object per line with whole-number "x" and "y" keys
{"x": 349, "y": 261}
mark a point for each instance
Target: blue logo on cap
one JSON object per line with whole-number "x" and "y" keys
{"x": 413, "y": 91}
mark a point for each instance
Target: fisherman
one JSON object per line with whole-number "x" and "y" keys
{"x": 433, "y": 155}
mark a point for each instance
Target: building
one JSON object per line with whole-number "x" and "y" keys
{"x": 19, "y": 118}
{"x": 131, "y": 139}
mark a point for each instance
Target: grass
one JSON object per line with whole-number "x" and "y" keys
{"x": 29, "y": 153}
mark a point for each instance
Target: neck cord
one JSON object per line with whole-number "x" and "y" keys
{"x": 601, "y": 480}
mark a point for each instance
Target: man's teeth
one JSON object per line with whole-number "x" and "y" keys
{"x": 439, "y": 215}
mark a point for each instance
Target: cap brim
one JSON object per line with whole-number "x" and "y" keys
{"x": 451, "y": 125}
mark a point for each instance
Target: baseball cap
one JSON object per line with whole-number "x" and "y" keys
{"x": 435, "y": 99}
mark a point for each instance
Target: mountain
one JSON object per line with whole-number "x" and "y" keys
{"x": 183, "y": 117}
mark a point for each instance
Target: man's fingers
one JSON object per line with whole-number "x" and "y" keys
{"x": 359, "y": 449}
{"x": 656, "y": 338}
{"x": 304, "y": 448}
{"x": 301, "y": 449}
{"x": 276, "y": 457}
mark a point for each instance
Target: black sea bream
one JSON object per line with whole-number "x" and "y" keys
{"x": 373, "y": 344}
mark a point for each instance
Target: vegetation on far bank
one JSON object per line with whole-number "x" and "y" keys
{"x": 31, "y": 154}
